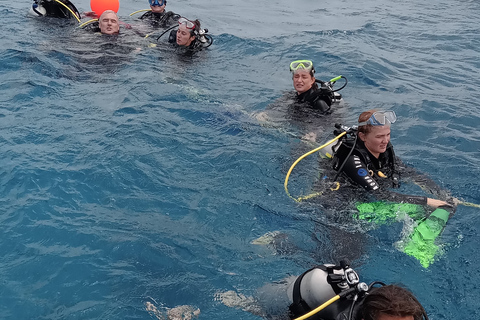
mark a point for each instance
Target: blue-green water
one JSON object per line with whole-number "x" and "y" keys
{"x": 133, "y": 176}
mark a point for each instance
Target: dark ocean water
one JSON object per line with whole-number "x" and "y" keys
{"x": 138, "y": 176}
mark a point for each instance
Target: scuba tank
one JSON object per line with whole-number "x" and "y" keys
{"x": 37, "y": 10}
{"x": 319, "y": 285}
{"x": 54, "y": 8}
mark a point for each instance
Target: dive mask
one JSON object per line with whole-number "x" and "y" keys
{"x": 188, "y": 24}
{"x": 156, "y": 3}
{"x": 301, "y": 64}
{"x": 380, "y": 118}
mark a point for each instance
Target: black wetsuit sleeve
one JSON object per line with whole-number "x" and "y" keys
{"x": 357, "y": 171}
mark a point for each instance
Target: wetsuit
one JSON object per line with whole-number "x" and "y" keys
{"x": 161, "y": 20}
{"x": 319, "y": 98}
{"x": 92, "y": 27}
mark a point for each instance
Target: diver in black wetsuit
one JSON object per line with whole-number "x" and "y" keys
{"x": 55, "y": 8}
{"x": 158, "y": 17}
{"x": 309, "y": 108}
{"x": 370, "y": 162}
{"x": 190, "y": 36}
{"x": 304, "y": 82}
{"x": 108, "y": 23}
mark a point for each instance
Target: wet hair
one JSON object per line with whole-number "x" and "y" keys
{"x": 108, "y": 11}
{"x": 195, "y": 30}
{"x": 364, "y": 116}
{"x": 392, "y": 300}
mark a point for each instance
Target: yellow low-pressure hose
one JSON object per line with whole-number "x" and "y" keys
{"x": 319, "y": 308}
{"x": 131, "y": 14}
{"x": 300, "y": 159}
{"x": 73, "y": 13}
{"x": 469, "y": 204}
{"x": 87, "y": 22}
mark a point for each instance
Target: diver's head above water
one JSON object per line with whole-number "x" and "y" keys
{"x": 303, "y": 75}
{"x": 391, "y": 302}
{"x": 187, "y": 31}
{"x": 108, "y": 22}
{"x": 374, "y": 130}
{"x": 157, "y": 6}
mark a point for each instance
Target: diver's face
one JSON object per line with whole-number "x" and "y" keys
{"x": 158, "y": 9}
{"x": 302, "y": 81}
{"x": 108, "y": 23}
{"x": 184, "y": 38}
{"x": 384, "y": 316}
{"x": 376, "y": 141}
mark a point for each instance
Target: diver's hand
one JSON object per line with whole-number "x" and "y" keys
{"x": 126, "y": 25}
{"x": 453, "y": 201}
{"x": 261, "y": 116}
{"x": 437, "y": 203}
{"x": 90, "y": 14}
{"x": 311, "y": 136}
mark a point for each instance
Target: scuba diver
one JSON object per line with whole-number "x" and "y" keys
{"x": 108, "y": 23}
{"x": 328, "y": 292}
{"x": 367, "y": 159}
{"x": 309, "y": 108}
{"x": 54, "y": 8}
{"x": 364, "y": 159}
{"x": 308, "y": 89}
{"x": 158, "y": 17}
{"x": 189, "y": 35}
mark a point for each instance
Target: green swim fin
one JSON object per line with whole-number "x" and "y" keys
{"x": 421, "y": 244}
